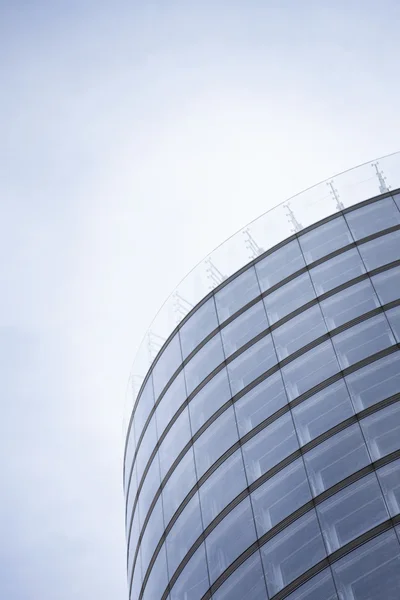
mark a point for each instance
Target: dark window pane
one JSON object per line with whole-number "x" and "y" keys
{"x": 371, "y": 572}
{"x": 175, "y": 440}
{"x": 222, "y": 487}
{"x": 202, "y": 322}
{"x": 170, "y": 402}
{"x": 336, "y": 271}
{"x": 292, "y": 552}
{"x": 158, "y": 579}
{"x": 309, "y": 370}
{"x": 299, "y": 331}
{"x": 389, "y": 478}
{"x": 192, "y": 583}
{"x": 149, "y": 489}
{"x": 152, "y": 534}
{"x": 372, "y": 218}
{"x": 322, "y": 412}
{"x": 387, "y": 285}
{"x": 381, "y": 251}
{"x": 244, "y": 328}
{"x": 363, "y": 340}
{"x": 260, "y": 403}
{"x": 146, "y": 403}
{"x": 394, "y": 319}
{"x": 280, "y": 264}
{"x": 202, "y": 363}
{"x": 166, "y": 365}
{"x": 257, "y": 359}
{"x": 375, "y": 382}
{"x": 215, "y": 440}
{"x": 382, "y": 431}
{"x": 336, "y": 458}
{"x": 146, "y": 447}
{"x": 280, "y": 496}
{"x": 236, "y": 294}
{"x": 289, "y": 297}
{"x": 230, "y": 538}
{"x": 209, "y": 399}
{"x": 349, "y": 304}
{"x": 183, "y": 534}
{"x": 269, "y": 447}
{"x": 179, "y": 485}
{"x": 325, "y": 239}
{"x": 320, "y": 587}
{"x": 246, "y": 583}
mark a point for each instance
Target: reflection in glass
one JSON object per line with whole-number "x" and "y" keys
{"x": 375, "y": 382}
{"x": 389, "y": 478}
{"x": 382, "y": 431}
{"x": 289, "y": 297}
{"x": 250, "y": 364}
{"x": 299, "y": 331}
{"x": 184, "y": 533}
{"x": 320, "y": 587}
{"x": 209, "y": 399}
{"x": 280, "y": 264}
{"x": 244, "y": 328}
{"x": 193, "y": 582}
{"x": 393, "y": 316}
{"x": 166, "y": 365}
{"x": 372, "y": 218}
{"x": 158, "y": 579}
{"x": 202, "y": 363}
{"x": 179, "y": 485}
{"x": 349, "y": 304}
{"x": 381, "y": 251}
{"x": 387, "y": 285}
{"x": 174, "y": 442}
{"x": 236, "y": 294}
{"x": 336, "y": 271}
{"x": 325, "y": 239}
{"x": 215, "y": 440}
{"x": 246, "y": 582}
{"x": 202, "y": 322}
{"x": 170, "y": 402}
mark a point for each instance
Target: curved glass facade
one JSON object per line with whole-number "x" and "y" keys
{"x": 263, "y": 453}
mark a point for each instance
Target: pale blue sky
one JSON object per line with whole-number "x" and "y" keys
{"x": 134, "y": 137}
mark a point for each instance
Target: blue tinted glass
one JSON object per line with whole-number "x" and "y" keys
{"x": 336, "y": 271}
{"x": 375, "y": 382}
{"x": 381, "y": 251}
{"x": 292, "y": 552}
{"x": 336, "y": 458}
{"x": 349, "y": 304}
{"x": 152, "y": 534}
{"x": 244, "y": 328}
{"x": 246, "y": 583}
{"x": 280, "y": 496}
{"x": 320, "y": 587}
{"x": 174, "y": 442}
{"x": 202, "y": 363}
{"x": 166, "y": 365}
{"x": 269, "y": 447}
{"x": 132, "y": 542}
{"x": 149, "y": 489}
{"x": 257, "y": 359}
{"x": 193, "y": 582}
{"x": 382, "y": 431}
{"x": 158, "y": 579}
{"x": 371, "y": 572}
{"x": 222, "y": 487}
{"x": 179, "y": 485}
{"x": 260, "y": 403}
{"x": 309, "y": 370}
{"x": 146, "y": 447}
{"x": 215, "y": 440}
{"x": 394, "y": 319}
{"x": 324, "y": 239}
{"x": 130, "y": 451}
{"x": 387, "y": 285}
{"x": 363, "y": 340}
{"x": 280, "y": 264}
{"x": 236, "y": 294}
{"x": 230, "y": 538}
{"x": 324, "y": 410}
{"x": 396, "y": 198}
{"x": 209, "y": 399}
{"x": 146, "y": 403}
{"x": 389, "y": 478}
{"x": 299, "y": 331}
{"x": 202, "y": 322}
{"x": 136, "y": 579}
{"x": 131, "y": 498}
{"x": 170, "y": 402}
{"x": 184, "y": 533}
{"x": 372, "y": 218}
{"x": 289, "y": 297}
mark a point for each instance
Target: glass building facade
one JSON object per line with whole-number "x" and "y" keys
{"x": 263, "y": 453}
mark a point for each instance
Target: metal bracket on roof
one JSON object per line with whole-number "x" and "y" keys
{"x": 297, "y": 226}
{"x": 181, "y": 307}
{"x": 154, "y": 343}
{"x": 381, "y": 178}
{"x": 214, "y": 275}
{"x": 335, "y": 194}
{"x": 251, "y": 244}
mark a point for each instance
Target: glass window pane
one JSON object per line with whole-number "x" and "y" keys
{"x": 396, "y": 198}
{"x": 132, "y": 541}
{"x": 310, "y": 369}
{"x": 179, "y": 485}
{"x": 246, "y": 583}
{"x": 381, "y": 251}
{"x": 146, "y": 447}
{"x": 336, "y": 458}
{"x": 250, "y": 364}
{"x": 222, "y": 487}
{"x": 349, "y": 304}
{"x": 375, "y": 382}
{"x": 280, "y": 264}
{"x": 209, "y": 399}
{"x": 299, "y": 331}
{"x": 193, "y": 582}
{"x": 382, "y": 431}
{"x": 131, "y": 498}
{"x": 363, "y": 340}
{"x": 372, "y": 218}
{"x": 269, "y": 447}
{"x": 230, "y": 538}
{"x": 371, "y": 572}
{"x": 320, "y": 587}
{"x": 292, "y": 552}
{"x": 166, "y": 365}
{"x": 152, "y": 534}
{"x": 146, "y": 403}
{"x": 322, "y": 411}
{"x": 389, "y": 478}
{"x": 158, "y": 579}
{"x": 336, "y": 271}
{"x": 175, "y": 440}
{"x": 202, "y": 363}
{"x": 387, "y": 285}
{"x": 260, "y": 403}
{"x": 236, "y": 294}
{"x": 351, "y": 512}
{"x": 215, "y": 440}
{"x": 325, "y": 239}
{"x": 183, "y": 534}
{"x": 280, "y": 496}
{"x": 289, "y": 297}
{"x": 170, "y": 402}
{"x": 202, "y": 322}
{"x": 149, "y": 489}
{"x": 130, "y": 451}
{"x": 244, "y": 328}
{"x": 136, "y": 579}
{"x": 394, "y": 319}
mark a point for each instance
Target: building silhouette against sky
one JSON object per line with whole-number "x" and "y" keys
{"x": 263, "y": 455}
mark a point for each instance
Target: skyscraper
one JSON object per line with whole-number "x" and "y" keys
{"x": 263, "y": 451}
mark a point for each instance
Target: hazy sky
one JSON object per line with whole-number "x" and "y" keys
{"x": 134, "y": 137}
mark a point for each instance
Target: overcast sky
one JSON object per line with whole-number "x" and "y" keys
{"x": 135, "y": 137}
